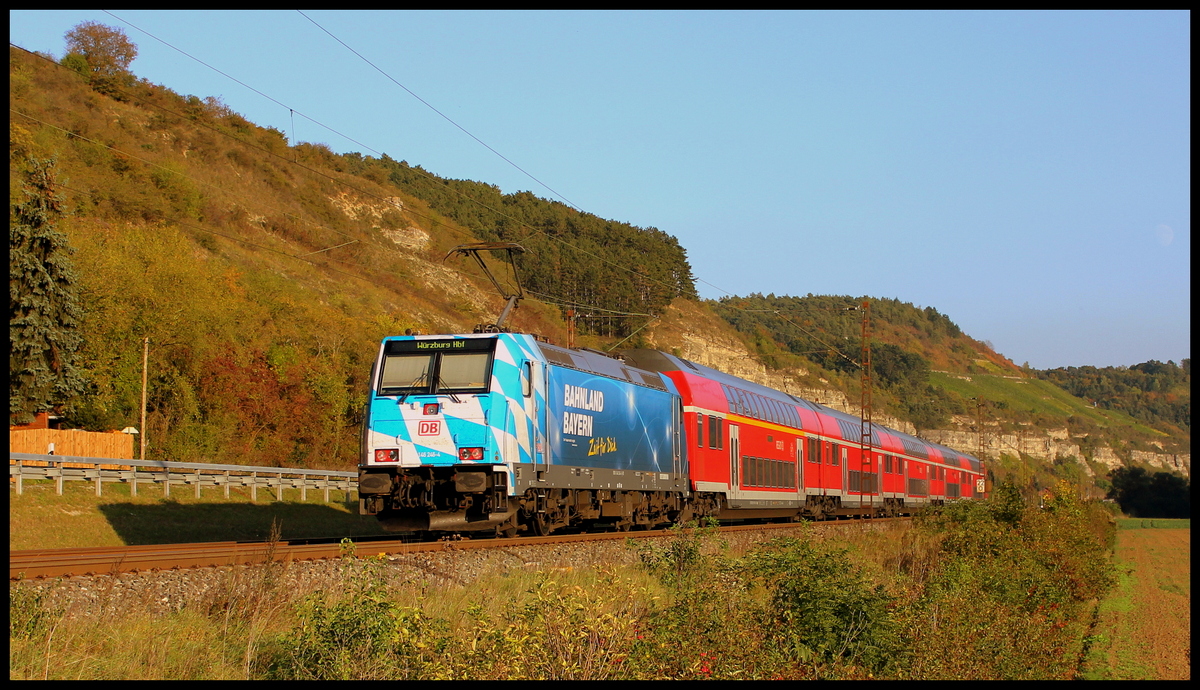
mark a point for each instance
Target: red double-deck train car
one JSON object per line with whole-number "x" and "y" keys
{"x": 759, "y": 452}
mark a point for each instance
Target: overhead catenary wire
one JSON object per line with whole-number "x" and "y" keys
{"x": 378, "y": 153}
{"x": 443, "y": 115}
{"x": 293, "y": 112}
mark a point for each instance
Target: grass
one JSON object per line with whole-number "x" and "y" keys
{"x": 1152, "y": 523}
{"x": 1143, "y": 626}
{"x": 860, "y": 604}
{"x": 1036, "y": 395}
{"x": 41, "y": 519}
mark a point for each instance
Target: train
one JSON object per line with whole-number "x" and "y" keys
{"x": 501, "y": 433}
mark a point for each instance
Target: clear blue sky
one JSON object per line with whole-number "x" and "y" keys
{"x": 1025, "y": 173}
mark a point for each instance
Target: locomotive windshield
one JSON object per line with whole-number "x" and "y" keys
{"x": 454, "y": 366}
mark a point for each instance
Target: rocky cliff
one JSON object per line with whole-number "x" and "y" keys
{"x": 693, "y": 334}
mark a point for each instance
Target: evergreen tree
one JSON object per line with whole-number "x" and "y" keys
{"x": 44, "y": 313}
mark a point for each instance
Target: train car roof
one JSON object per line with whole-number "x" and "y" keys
{"x": 654, "y": 360}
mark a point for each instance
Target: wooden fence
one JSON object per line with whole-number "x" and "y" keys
{"x": 72, "y": 442}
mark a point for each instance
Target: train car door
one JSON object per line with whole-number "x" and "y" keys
{"x": 735, "y": 459}
{"x": 541, "y": 445}
{"x": 846, "y": 471}
{"x": 800, "y": 466}
{"x": 679, "y": 439}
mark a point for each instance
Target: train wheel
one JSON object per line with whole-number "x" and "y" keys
{"x": 539, "y": 525}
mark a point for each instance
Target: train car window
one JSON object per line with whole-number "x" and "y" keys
{"x": 405, "y": 373}
{"x": 466, "y": 371}
{"x": 699, "y": 430}
{"x": 833, "y": 457}
{"x": 814, "y": 450}
{"x": 527, "y": 379}
{"x": 716, "y": 436}
{"x": 793, "y": 418}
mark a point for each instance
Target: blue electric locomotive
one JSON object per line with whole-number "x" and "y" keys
{"x": 498, "y": 431}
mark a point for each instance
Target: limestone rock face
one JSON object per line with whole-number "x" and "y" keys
{"x": 718, "y": 346}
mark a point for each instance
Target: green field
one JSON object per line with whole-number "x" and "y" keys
{"x": 1152, "y": 523}
{"x": 1035, "y": 396}
{"x": 1143, "y": 625}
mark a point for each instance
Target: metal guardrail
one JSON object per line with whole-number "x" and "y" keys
{"x": 60, "y": 468}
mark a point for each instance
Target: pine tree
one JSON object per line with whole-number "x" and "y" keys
{"x": 44, "y": 311}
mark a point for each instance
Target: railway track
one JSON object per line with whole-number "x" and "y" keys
{"x": 43, "y": 563}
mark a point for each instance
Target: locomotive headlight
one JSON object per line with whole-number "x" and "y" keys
{"x": 466, "y": 454}
{"x": 430, "y": 408}
{"x": 387, "y": 455}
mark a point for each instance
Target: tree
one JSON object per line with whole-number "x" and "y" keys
{"x": 107, "y": 50}
{"x": 44, "y": 312}
{"x": 1140, "y": 494}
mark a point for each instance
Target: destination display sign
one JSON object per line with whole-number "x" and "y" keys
{"x": 440, "y": 345}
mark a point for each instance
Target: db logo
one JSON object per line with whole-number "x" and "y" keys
{"x": 429, "y": 428}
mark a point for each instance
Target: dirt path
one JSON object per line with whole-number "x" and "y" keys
{"x": 1145, "y": 623}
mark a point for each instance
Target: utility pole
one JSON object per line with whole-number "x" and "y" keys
{"x": 145, "y": 359}
{"x": 865, "y": 429}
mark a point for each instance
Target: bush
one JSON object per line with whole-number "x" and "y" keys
{"x": 1010, "y": 595}
{"x": 364, "y": 635}
{"x": 822, "y": 607}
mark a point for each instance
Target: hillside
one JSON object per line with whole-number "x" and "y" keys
{"x": 264, "y": 274}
